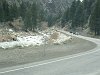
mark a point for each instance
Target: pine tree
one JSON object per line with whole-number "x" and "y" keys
{"x": 14, "y": 12}
{"x": 34, "y": 10}
{"x": 42, "y": 15}
{"x": 78, "y": 17}
{"x": 65, "y": 17}
{"x": 72, "y": 10}
{"x": 95, "y": 19}
{"x": 31, "y": 18}
{"x": 5, "y": 7}
{"x": 88, "y": 6}
{"x": 85, "y": 4}
{"x": 86, "y": 12}
{"x": 1, "y": 11}
{"x": 50, "y": 20}
{"x": 28, "y": 21}
{"x": 23, "y": 9}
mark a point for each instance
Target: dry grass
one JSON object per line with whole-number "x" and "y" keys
{"x": 7, "y": 38}
{"x": 44, "y": 25}
{"x": 17, "y": 24}
{"x": 53, "y": 37}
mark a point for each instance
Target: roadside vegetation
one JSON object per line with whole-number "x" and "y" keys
{"x": 84, "y": 15}
{"x": 31, "y": 17}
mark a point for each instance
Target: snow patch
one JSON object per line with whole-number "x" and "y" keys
{"x": 38, "y": 39}
{"x": 23, "y": 42}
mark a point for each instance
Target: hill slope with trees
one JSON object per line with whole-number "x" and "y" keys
{"x": 73, "y": 13}
{"x": 85, "y": 14}
{"x": 33, "y": 12}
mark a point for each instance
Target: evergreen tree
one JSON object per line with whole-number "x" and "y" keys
{"x": 5, "y": 10}
{"x": 23, "y": 9}
{"x": 72, "y": 10}
{"x": 86, "y": 12}
{"x": 28, "y": 21}
{"x": 31, "y": 18}
{"x": 95, "y": 19}
{"x": 85, "y": 4}
{"x": 1, "y": 11}
{"x": 78, "y": 17}
{"x": 88, "y": 6}
{"x": 34, "y": 10}
{"x": 65, "y": 17}
{"x": 78, "y": 3}
{"x": 50, "y": 20}
{"x": 14, "y": 12}
{"x": 42, "y": 15}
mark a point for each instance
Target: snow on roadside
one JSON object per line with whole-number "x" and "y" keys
{"x": 39, "y": 39}
{"x": 23, "y": 42}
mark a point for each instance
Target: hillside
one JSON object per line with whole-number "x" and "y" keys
{"x": 50, "y": 6}
{"x": 32, "y": 15}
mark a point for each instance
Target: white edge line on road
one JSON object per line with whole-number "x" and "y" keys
{"x": 60, "y": 59}
{"x": 73, "y": 56}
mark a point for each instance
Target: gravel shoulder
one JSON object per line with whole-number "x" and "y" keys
{"x": 19, "y": 56}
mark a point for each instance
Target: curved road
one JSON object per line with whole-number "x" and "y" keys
{"x": 86, "y": 63}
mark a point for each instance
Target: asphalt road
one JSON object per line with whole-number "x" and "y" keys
{"x": 86, "y": 63}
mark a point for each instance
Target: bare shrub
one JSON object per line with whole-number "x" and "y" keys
{"x": 54, "y": 36}
{"x": 17, "y": 24}
{"x": 6, "y": 38}
{"x": 44, "y": 25}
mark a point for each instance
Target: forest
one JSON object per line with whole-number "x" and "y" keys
{"x": 84, "y": 14}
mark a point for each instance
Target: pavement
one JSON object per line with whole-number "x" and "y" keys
{"x": 85, "y": 63}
